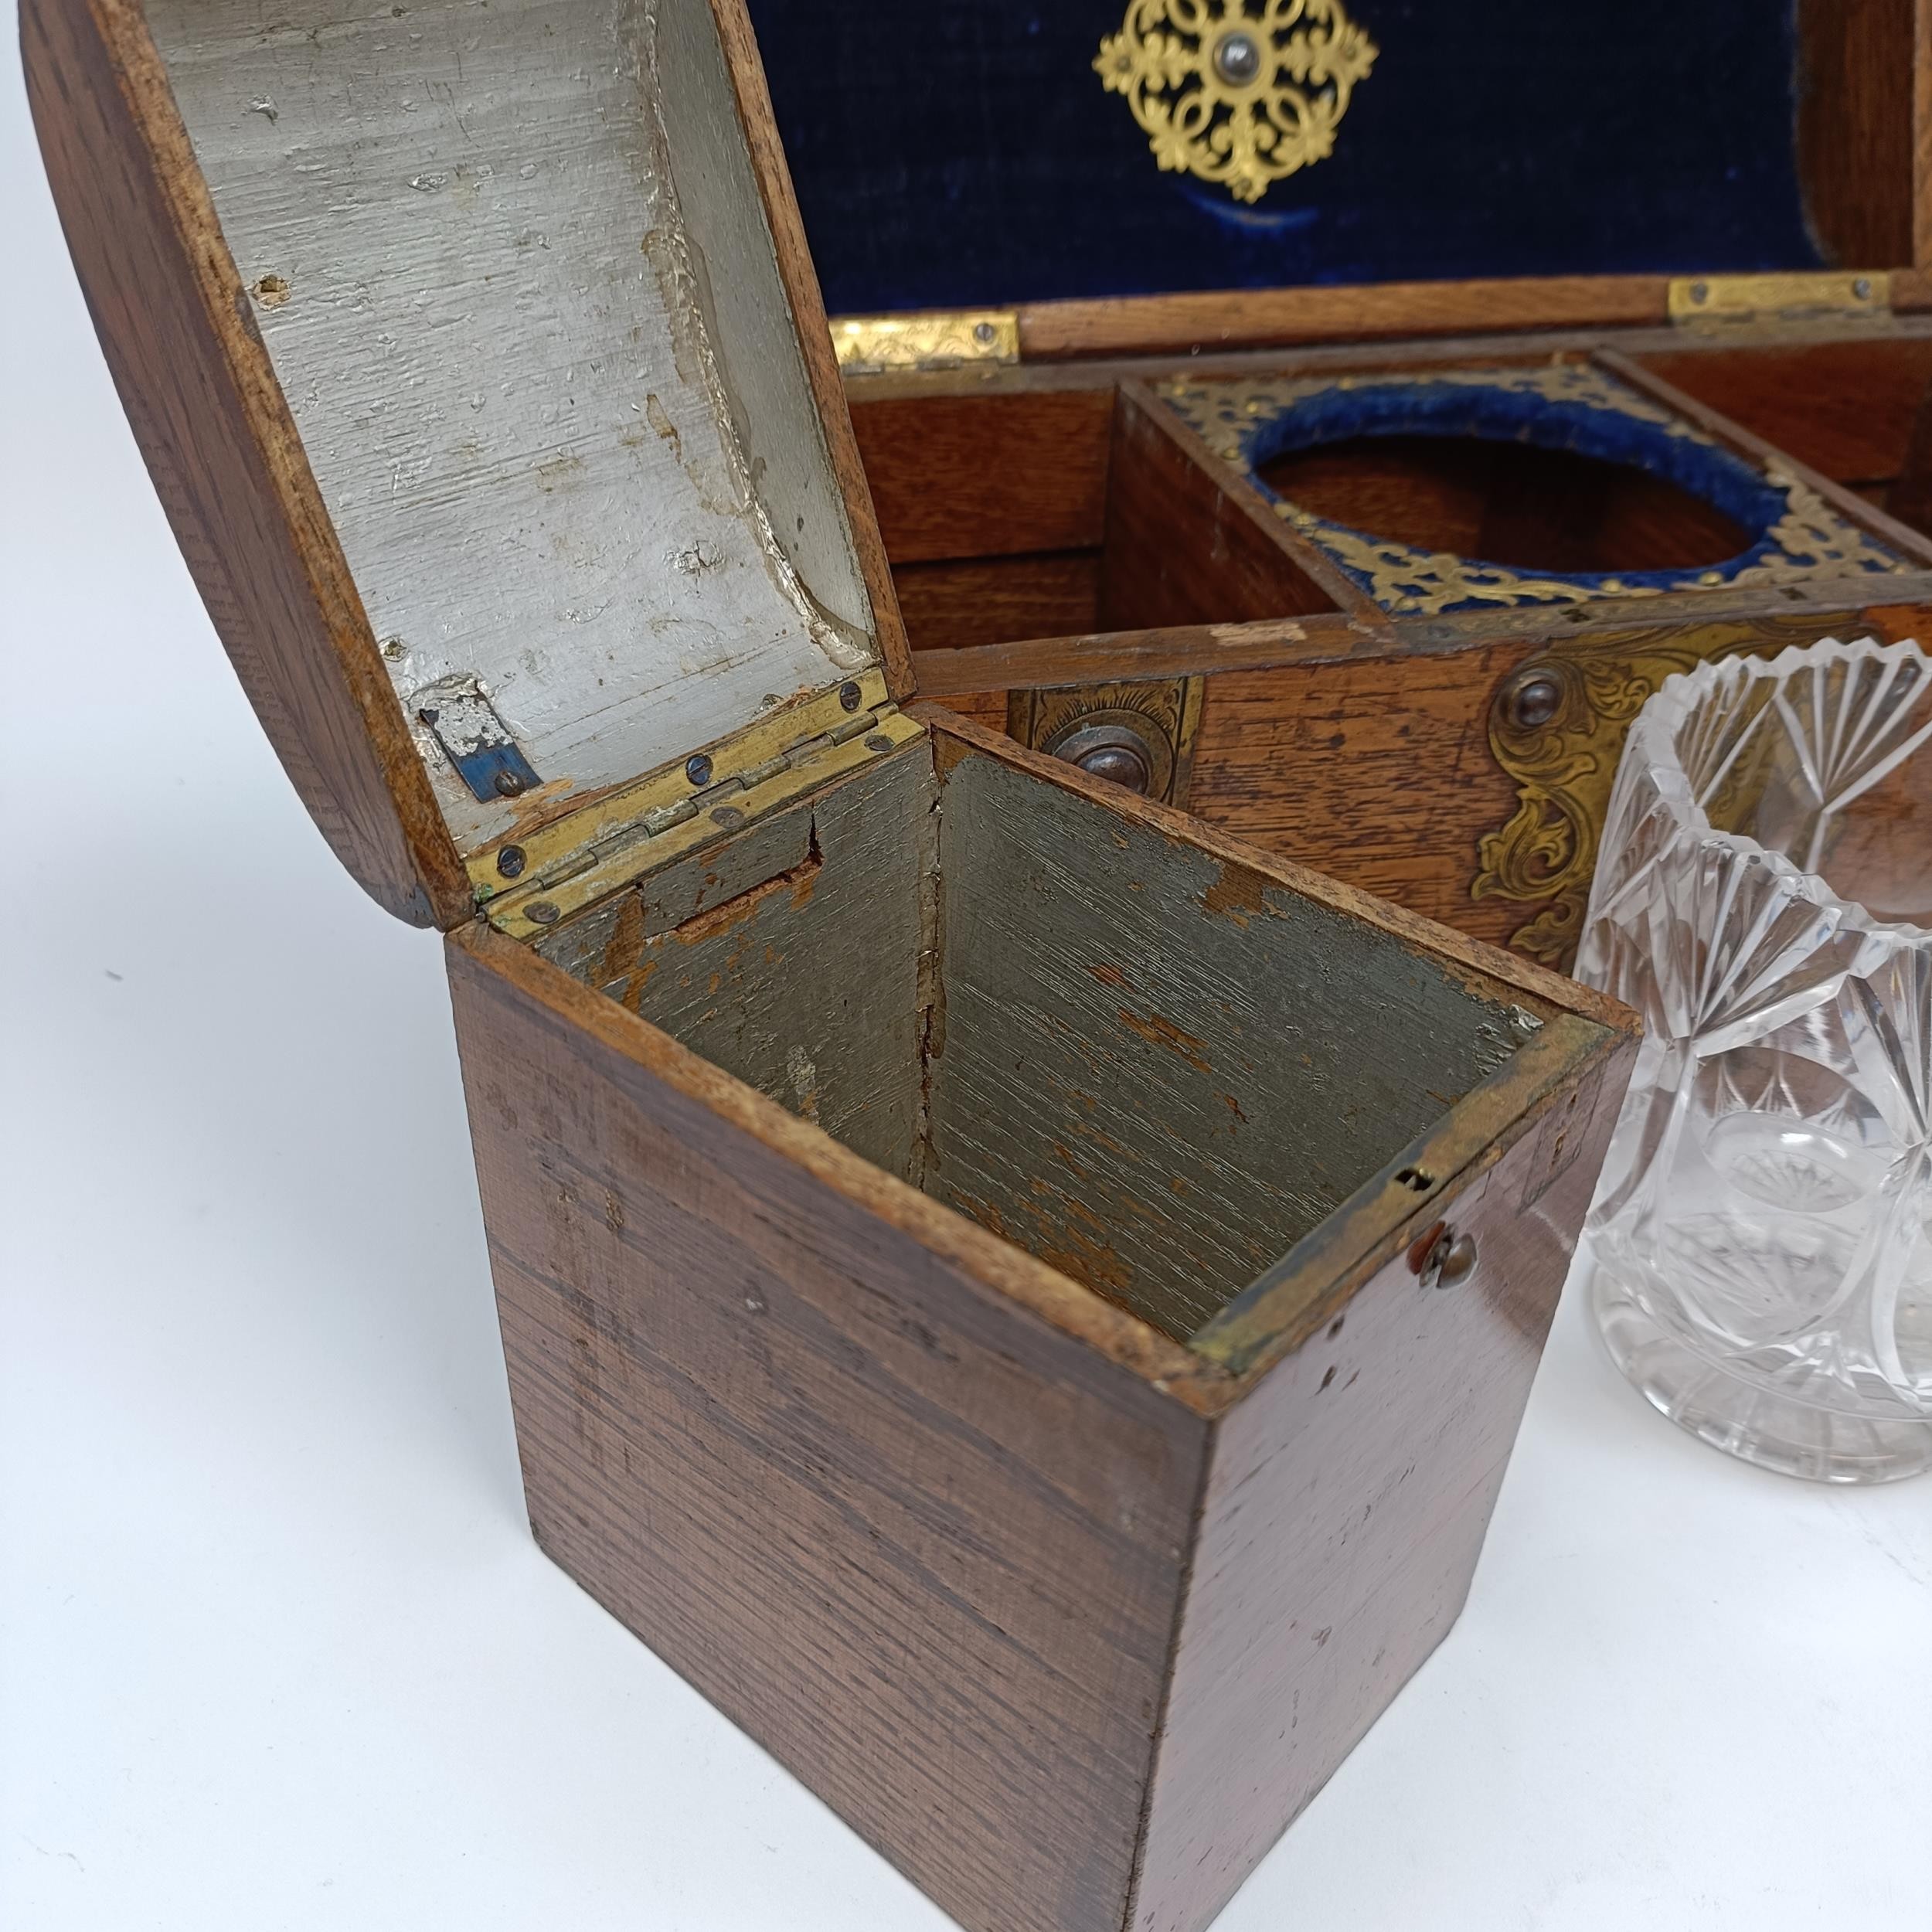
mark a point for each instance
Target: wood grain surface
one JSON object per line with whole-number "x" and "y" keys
{"x": 1184, "y": 547}
{"x": 980, "y": 601}
{"x": 986, "y": 475}
{"x": 924, "y": 1547}
{"x": 1327, "y": 1569}
{"x": 1182, "y": 650}
{"x": 180, "y": 340}
{"x": 1378, "y": 771}
{"x": 1844, "y": 407}
{"x": 1857, "y": 143}
{"x": 1146, "y": 325}
{"x": 1913, "y": 546}
{"x": 1155, "y": 1066}
{"x": 926, "y": 1517}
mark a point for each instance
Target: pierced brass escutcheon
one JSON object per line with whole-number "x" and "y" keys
{"x": 1239, "y": 93}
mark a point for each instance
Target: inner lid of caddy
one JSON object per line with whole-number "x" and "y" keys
{"x": 1026, "y": 150}
{"x": 515, "y": 268}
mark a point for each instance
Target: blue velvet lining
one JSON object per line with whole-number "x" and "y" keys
{"x": 950, "y": 154}
{"x": 1502, "y": 414}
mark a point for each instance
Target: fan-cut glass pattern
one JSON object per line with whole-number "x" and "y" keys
{"x": 1763, "y": 897}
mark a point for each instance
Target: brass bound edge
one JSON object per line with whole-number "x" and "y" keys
{"x": 1719, "y": 301}
{"x": 926, "y": 338}
{"x": 562, "y": 867}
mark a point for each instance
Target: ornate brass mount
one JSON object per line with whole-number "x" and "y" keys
{"x": 1139, "y": 735}
{"x": 1239, "y": 93}
{"x": 1810, "y": 539}
{"x": 1556, "y": 726}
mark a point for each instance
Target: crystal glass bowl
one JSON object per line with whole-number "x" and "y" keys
{"x": 1763, "y": 893}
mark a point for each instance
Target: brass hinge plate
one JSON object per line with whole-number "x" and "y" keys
{"x": 1719, "y": 301}
{"x": 932, "y": 338}
{"x": 526, "y": 889}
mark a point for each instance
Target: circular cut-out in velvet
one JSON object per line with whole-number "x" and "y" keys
{"x": 1634, "y": 469}
{"x": 1514, "y": 503}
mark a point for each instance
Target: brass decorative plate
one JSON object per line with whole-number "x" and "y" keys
{"x": 1807, "y": 538}
{"x": 1556, "y": 726}
{"x": 1239, "y": 93}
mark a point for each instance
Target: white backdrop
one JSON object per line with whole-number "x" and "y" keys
{"x": 276, "y": 1649}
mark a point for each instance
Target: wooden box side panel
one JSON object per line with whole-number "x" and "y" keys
{"x": 1343, "y": 1513}
{"x": 1378, "y": 771}
{"x": 925, "y": 1549}
{"x": 1159, "y": 1068}
{"x": 180, "y": 343}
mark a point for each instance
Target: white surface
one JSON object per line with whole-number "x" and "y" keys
{"x": 277, "y": 1650}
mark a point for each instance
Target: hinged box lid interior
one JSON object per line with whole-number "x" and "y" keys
{"x": 1085, "y": 151}
{"x": 529, "y": 278}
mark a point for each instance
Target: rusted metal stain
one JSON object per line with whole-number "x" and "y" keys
{"x": 801, "y": 881}
{"x": 1236, "y": 894}
{"x": 1158, "y": 1031}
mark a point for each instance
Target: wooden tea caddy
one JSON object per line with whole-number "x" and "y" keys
{"x": 1024, "y": 1300}
{"x": 1084, "y": 567}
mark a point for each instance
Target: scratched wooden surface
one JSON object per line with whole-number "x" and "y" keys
{"x": 1327, "y": 1569}
{"x": 924, "y": 1547}
{"x": 1377, "y": 772}
{"x": 1148, "y": 1065}
{"x": 928, "y": 1517}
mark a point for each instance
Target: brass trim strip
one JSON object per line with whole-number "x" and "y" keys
{"x": 931, "y": 338}
{"x": 1719, "y": 301}
{"x": 1273, "y": 1316}
{"x": 579, "y": 847}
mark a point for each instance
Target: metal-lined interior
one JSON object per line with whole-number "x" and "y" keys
{"x": 1150, "y": 1067}
{"x": 549, "y": 383}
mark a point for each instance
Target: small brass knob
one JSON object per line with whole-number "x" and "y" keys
{"x": 1442, "y": 1258}
{"x": 1237, "y": 58}
{"x": 1458, "y": 1262}
{"x": 1121, "y": 763}
{"x": 1112, "y": 746}
{"x": 1532, "y": 700}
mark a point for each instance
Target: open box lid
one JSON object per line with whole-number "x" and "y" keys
{"x": 479, "y": 360}
{"x": 1129, "y": 175}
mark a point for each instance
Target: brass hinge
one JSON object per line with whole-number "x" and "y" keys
{"x": 932, "y": 338}
{"x": 526, "y": 889}
{"x": 1719, "y": 301}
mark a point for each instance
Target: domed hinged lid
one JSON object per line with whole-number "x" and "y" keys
{"x": 478, "y": 358}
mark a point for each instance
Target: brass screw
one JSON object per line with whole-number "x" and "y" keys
{"x": 511, "y": 861}
{"x": 848, "y": 696}
{"x": 543, "y": 913}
